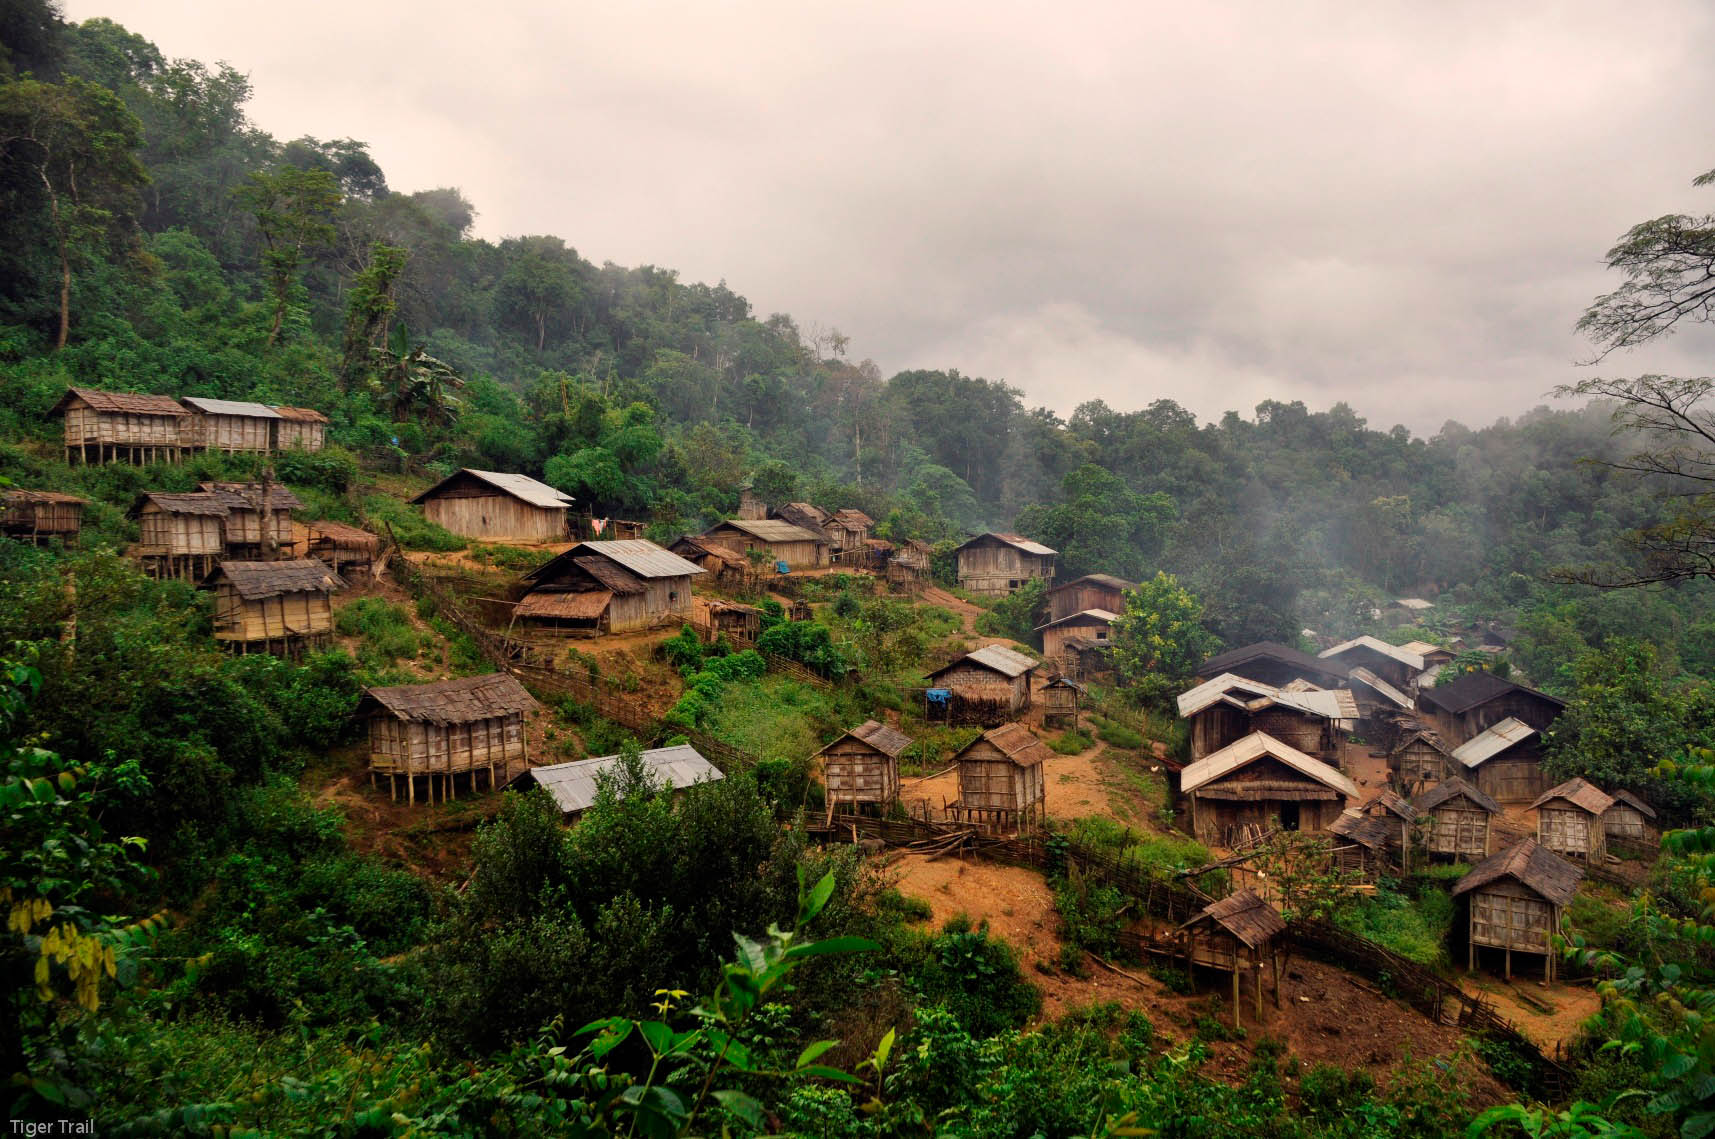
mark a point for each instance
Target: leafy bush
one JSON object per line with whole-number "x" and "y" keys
{"x": 1412, "y": 927}
{"x": 1091, "y": 917}
{"x": 386, "y": 514}
{"x": 807, "y": 642}
{"x": 386, "y": 628}
{"x": 1071, "y": 742}
{"x": 976, "y": 978}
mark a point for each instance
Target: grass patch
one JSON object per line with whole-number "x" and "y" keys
{"x": 413, "y": 530}
{"x": 506, "y": 557}
{"x": 1116, "y": 734}
{"x": 1412, "y": 927}
{"x": 775, "y": 717}
{"x": 1072, "y": 742}
{"x": 385, "y": 628}
{"x": 1157, "y": 855}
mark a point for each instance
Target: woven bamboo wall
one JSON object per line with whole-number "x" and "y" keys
{"x": 1508, "y": 915}
{"x": 83, "y": 424}
{"x": 1459, "y": 829}
{"x": 179, "y": 534}
{"x": 283, "y": 617}
{"x": 398, "y": 747}
{"x": 496, "y": 517}
{"x": 301, "y": 434}
{"x": 232, "y": 433}
{"x": 857, "y": 773}
{"x": 1565, "y": 829}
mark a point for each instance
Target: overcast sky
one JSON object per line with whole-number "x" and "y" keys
{"x": 1402, "y": 206}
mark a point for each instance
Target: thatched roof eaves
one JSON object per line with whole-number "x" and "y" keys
{"x": 300, "y": 414}
{"x": 1580, "y": 793}
{"x": 1550, "y": 875}
{"x": 1393, "y": 804}
{"x": 460, "y": 701}
{"x": 586, "y": 606}
{"x": 890, "y": 741}
{"x": 1450, "y": 789}
{"x": 248, "y": 495}
{"x": 1015, "y": 741}
{"x": 192, "y": 502}
{"x": 343, "y": 537}
{"x": 43, "y": 496}
{"x": 1366, "y": 830}
{"x": 1244, "y": 915}
{"x": 255, "y": 581}
{"x": 121, "y": 403}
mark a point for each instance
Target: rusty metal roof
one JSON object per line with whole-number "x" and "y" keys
{"x": 125, "y": 403}
{"x": 1580, "y": 793}
{"x": 1542, "y": 870}
{"x": 1244, "y": 915}
{"x": 522, "y": 487}
{"x": 642, "y": 557}
{"x": 255, "y": 581}
{"x": 1259, "y": 745}
{"x": 1448, "y": 790}
{"x": 451, "y": 701}
{"x": 1479, "y": 749}
{"x": 229, "y": 407}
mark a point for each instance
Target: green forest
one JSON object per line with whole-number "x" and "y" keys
{"x": 197, "y": 944}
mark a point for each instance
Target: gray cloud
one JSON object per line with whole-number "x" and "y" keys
{"x": 1402, "y": 206}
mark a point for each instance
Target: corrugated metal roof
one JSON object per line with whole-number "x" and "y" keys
{"x": 773, "y": 530}
{"x": 1482, "y": 748}
{"x": 229, "y": 407}
{"x": 1471, "y": 689}
{"x": 1393, "y": 695}
{"x": 1007, "y": 662}
{"x": 1103, "y": 579}
{"x": 257, "y": 580}
{"x": 1413, "y": 661}
{"x": 1018, "y": 541}
{"x": 1253, "y": 696}
{"x": 574, "y": 785}
{"x": 1422, "y": 648}
{"x": 1083, "y": 616}
{"x": 522, "y": 487}
{"x": 1547, "y": 873}
{"x": 1416, "y": 603}
{"x": 1253, "y": 747}
{"x": 1269, "y": 650}
{"x": 642, "y": 557}
{"x": 1580, "y": 793}
{"x": 1217, "y": 688}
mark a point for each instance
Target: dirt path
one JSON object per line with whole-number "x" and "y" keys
{"x": 1073, "y": 786}
{"x": 1571, "y": 1005}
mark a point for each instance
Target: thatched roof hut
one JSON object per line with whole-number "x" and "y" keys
{"x": 987, "y": 686}
{"x": 37, "y": 515}
{"x": 102, "y": 426}
{"x": 445, "y": 730}
{"x": 180, "y": 535}
{"x": 1236, "y": 935}
{"x": 348, "y": 549}
{"x": 1629, "y": 818}
{"x": 1458, "y": 816}
{"x": 861, "y": 768}
{"x": 1517, "y": 898}
{"x": 1001, "y": 784}
{"x": 1569, "y": 819}
{"x": 303, "y": 428}
{"x": 575, "y": 785}
{"x": 242, "y": 529}
{"x": 283, "y": 606}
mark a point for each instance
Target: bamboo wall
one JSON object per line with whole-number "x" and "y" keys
{"x": 83, "y": 424}
{"x": 662, "y": 598}
{"x": 1570, "y": 830}
{"x": 399, "y": 747}
{"x": 1418, "y": 766}
{"x": 178, "y": 535}
{"x": 988, "y": 780}
{"x": 244, "y": 527}
{"x": 302, "y": 434}
{"x": 1312, "y": 735}
{"x": 1459, "y": 829}
{"x": 496, "y": 517}
{"x": 1624, "y": 821}
{"x": 42, "y": 518}
{"x": 232, "y": 433}
{"x": 286, "y": 617}
{"x": 1215, "y": 727}
{"x": 1510, "y": 915}
{"x": 1512, "y": 780}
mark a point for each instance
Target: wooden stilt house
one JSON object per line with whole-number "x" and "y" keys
{"x": 1260, "y": 784}
{"x": 258, "y": 516}
{"x": 103, "y": 427}
{"x": 1402, "y": 817}
{"x": 300, "y": 428}
{"x": 1061, "y": 698}
{"x": 739, "y": 623}
{"x": 497, "y": 507}
{"x": 280, "y": 607}
{"x": 1419, "y": 760}
{"x": 1630, "y": 819}
{"x": 1364, "y": 844}
{"x": 40, "y": 515}
{"x": 1236, "y": 935}
{"x": 230, "y": 425}
{"x": 444, "y": 733}
{"x": 861, "y": 769}
{"x": 180, "y": 536}
{"x": 1569, "y": 820}
{"x": 1001, "y": 782}
{"x": 351, "y": 552}
{"x": 1458, "y": 817}
{"x": 994, "y": 565}
{"x": 908, "y": 569}
{"x": 1517, "y": 898}
{"x": 608, "y": 587}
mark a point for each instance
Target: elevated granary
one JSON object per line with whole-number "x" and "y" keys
{"x": 1001, "y": 785}
{"x": 446, "y": 730}
{"x": 861, "y": 768}
{"x": 1569, "y": 819}
{"x": 102, "y": 426}
{"x": 281, "y": 606}
{"x": 1517, "y": 898}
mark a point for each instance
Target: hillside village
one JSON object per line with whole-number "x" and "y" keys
{"x": 1370, "y": 762}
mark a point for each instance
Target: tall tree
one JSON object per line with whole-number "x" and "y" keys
{"x": 293, "y": 208}
{"x": 77, "y": 144}
{"x": 1160, "y": 640}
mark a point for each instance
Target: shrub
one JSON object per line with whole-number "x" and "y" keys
{"x": 1072, "y": 742}
{"x": 975, "y": 976}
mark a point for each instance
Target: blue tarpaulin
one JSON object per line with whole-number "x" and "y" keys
{"x": 938, "y": 695}
{"x": 782, "y": 567}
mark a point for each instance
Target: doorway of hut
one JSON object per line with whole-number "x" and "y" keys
{"x": 1289, "y": 816}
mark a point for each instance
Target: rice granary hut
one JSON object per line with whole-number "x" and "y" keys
{"x": 1364, "y": 844}
{"x": 179, "y": 535}
{"x": 38, "y": 515}
{"x": 1505, "y": 761}
{"x": 1569, "y": 819}
{"x": 776, "y": 539}
{"x": 1061, "y": 700}
{"x": 439, "y": 732}
{"x": 1236, "y": 935}
{"x": 861, "y": 769}
{"x": 279, "y": 607}
{"x": 1001, "y": 782}
{"x": 608, "y": 587}
{"x": 987, "y": 686}
{"x": 246, "y": 503}
{"x": 1630, "y": 818}
{"x": 231, "y": 425}
{"x": 300, "y": 428}
{"x": 575, "y": 785}
{"x": 1259, "y": 784}
{"x": 1458, "y": 816}
{"x": 721, "y": 563}
{"x": 497, "y": 507}
{"x": 1419, "y": 760}
{"x": 994, "y": 565}
{"x": 350, "y": 551}
{"x": 109, "y": 426}
{"x": 1517, "y": 898}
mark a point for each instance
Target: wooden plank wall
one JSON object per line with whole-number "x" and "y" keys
{"x": 496, "y": 517}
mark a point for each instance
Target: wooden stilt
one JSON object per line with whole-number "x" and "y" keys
{"x": 1236, "y": 1005}
{"x": 1509, "y": 966}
